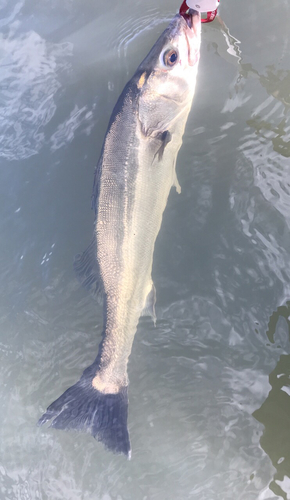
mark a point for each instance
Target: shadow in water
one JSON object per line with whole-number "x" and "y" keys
{"x": 274, "y": 413}
{"x": 277, "y": 84}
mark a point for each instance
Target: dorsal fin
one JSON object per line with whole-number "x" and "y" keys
{"x": 87, "y": 269}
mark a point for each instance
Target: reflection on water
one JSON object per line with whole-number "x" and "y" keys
{"x": 30, "y": 69}
{"x": 277, "y": 84}
{"x": 267, "y": 150}
{"x": 274, "y": 413}
{"x": 209, "y": 410}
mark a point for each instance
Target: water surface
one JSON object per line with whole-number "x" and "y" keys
{"x": 209, "y": 412}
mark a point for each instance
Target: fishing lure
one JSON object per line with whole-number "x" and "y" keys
{"x": 206, "y": 6}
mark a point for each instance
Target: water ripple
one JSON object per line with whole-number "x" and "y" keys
{"x": 30, "y": 69}
{"x": 65, "y": 132}
{"x": 132, "y": 28}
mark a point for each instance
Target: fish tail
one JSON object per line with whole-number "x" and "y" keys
{"x": 83, "y": 408}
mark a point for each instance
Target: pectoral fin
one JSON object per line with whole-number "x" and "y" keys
{"x": 165, "y": 138}
{"x": 149, "y": 309}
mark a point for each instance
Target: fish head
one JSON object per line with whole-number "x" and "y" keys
{"x": 166, "y": 78}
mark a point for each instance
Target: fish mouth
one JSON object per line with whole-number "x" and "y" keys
{"x": 193, "y": 25}
{"x": 192, "y": 18}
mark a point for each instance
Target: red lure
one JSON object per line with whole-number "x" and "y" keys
{"x": 209, "y": 15}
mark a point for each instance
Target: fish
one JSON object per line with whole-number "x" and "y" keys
{"x": 132, "y": 181}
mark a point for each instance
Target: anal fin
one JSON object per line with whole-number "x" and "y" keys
{"x": 176, "y": 183}
{"x": 149, "y": 308}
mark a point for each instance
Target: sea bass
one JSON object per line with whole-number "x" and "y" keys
{"x": 132, "y": 182}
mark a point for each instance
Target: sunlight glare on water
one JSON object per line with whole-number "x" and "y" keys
{"x": 209, "y": 411}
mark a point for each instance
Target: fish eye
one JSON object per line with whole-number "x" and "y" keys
{"x": 170, "y": 58}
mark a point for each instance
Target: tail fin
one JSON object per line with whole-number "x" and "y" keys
{"x": 83, "y": 408}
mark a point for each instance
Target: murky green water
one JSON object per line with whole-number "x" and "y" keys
{"x": 209, "y": 413}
